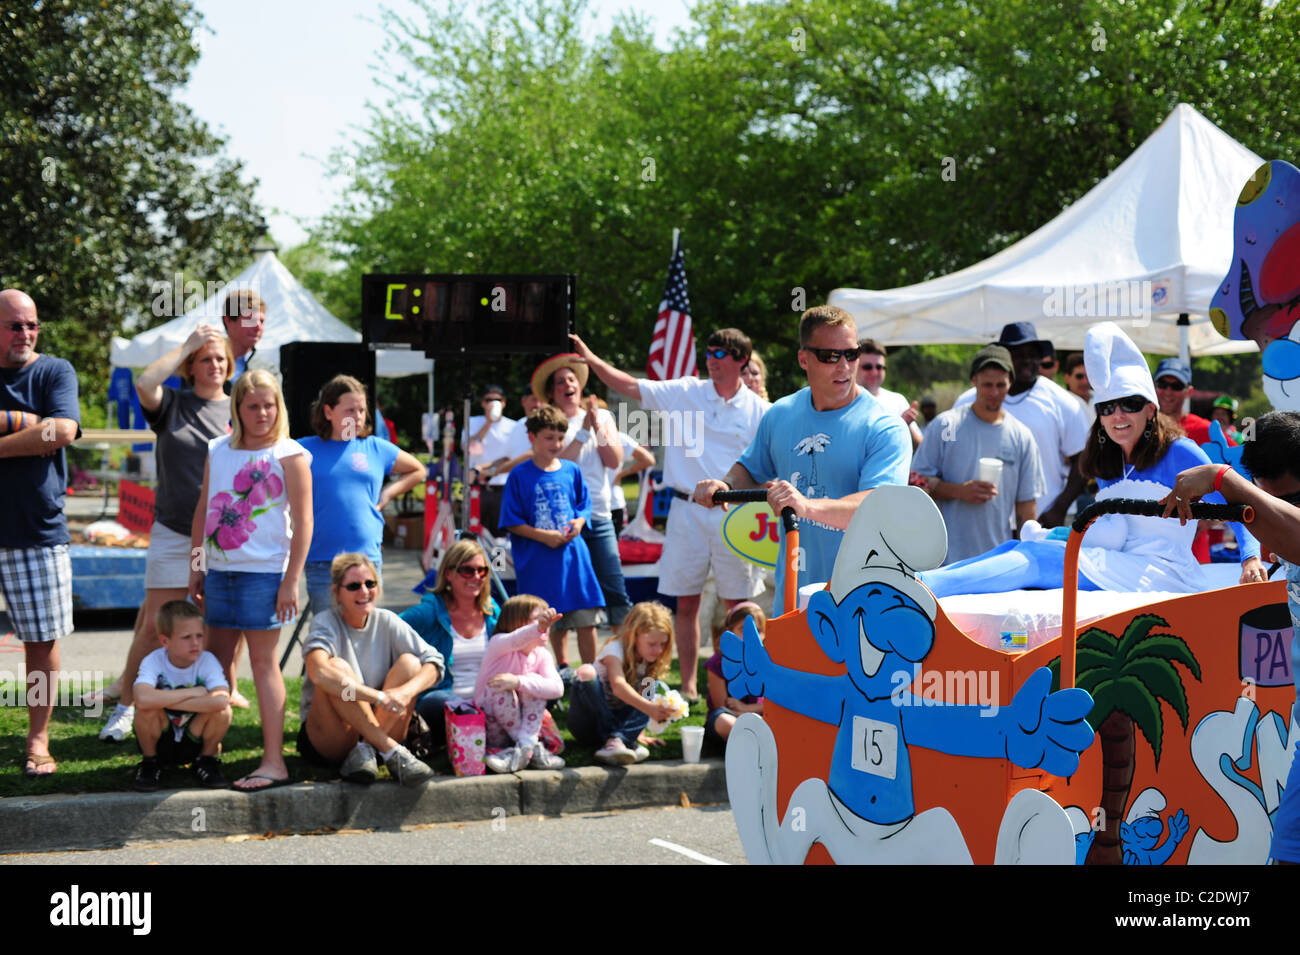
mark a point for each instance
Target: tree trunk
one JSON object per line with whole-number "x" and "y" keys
{"x": 1118, "y": 762}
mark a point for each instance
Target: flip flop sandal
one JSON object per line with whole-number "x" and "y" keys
{"x": 33, "y": 765}
{"x": 272, "y": 783}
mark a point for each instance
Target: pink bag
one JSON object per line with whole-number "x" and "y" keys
{"x": 466, "y": 737}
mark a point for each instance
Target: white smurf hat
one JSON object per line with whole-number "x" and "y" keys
{"x": 895, "y": 533}
{"x": 1116, "y": 368}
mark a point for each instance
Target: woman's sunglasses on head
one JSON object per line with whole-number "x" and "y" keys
{"x": 1132, "y": 404}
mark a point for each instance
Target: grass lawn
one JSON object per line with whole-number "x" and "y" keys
{"x": 86, "y": 764}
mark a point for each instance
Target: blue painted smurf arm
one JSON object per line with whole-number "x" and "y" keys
{"x": 1037, "y": 730}
{"x": 750, "y": 671}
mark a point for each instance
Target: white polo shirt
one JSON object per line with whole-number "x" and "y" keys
{"x": 496, "y": 443}
{"x": 701, "y": 434}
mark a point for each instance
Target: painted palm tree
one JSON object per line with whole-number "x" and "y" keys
{"x": 1128, "y": 677}
{"x": 811, "y": 446}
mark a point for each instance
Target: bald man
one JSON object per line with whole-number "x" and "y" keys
{"x": 39, "y": 417}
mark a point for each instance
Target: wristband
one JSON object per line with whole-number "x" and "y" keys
{"x": 9, "y": 422}
{"x": 1218, "y": 478}
{"x": 730, "y": 486}
{"x": 583, "y": 436}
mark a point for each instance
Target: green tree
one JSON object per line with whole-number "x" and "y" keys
{"x": 108, "y": 184}
{"x": 800, "y": 145}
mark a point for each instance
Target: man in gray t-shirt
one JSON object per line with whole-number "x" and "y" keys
{"x": 979, "y": 514}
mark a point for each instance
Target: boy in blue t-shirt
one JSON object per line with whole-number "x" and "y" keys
{"x": 544, "y": 507}
{"x": 182, "y": 701}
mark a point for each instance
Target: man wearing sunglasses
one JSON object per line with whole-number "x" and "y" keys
{"x": 1173, "y": 385}
{"x": 821, "y": 450}
{"x": 39, "y": 416}
{"x": 726, "y": 414}
{"x": 1057, "y": 422}
{"x": 1273, "y": 460}
{"x": 871, "y": 375}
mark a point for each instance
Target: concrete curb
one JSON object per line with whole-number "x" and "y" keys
{"x": 111, "y": 820}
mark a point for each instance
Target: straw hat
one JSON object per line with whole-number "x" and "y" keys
{"x": 570, "y": 360}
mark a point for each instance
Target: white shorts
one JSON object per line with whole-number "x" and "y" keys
{"x": 694, "y": 544}
{"x": 167, "y": 563}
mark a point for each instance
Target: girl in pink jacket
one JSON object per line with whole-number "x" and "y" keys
{"x": 515, "y": 680}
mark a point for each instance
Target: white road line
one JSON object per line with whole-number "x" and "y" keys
{"x": 689, "y": 853}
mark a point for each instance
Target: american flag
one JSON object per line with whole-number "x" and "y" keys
{"x": 672, "y": 349}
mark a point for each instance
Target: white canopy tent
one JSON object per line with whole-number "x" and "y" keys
{"x": 293, "y": 315}
{"x": 1148, "y": 243}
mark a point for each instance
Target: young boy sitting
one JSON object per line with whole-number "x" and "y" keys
{"x": 182, "y": 701}
{"x": 544, "y": 507}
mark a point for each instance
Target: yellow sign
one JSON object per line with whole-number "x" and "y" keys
{"x": 751, "y": 531}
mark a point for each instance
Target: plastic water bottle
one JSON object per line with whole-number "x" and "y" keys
{"x": 1014, "y": 633}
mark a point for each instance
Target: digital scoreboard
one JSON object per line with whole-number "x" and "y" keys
{"x": 448, "y": 316}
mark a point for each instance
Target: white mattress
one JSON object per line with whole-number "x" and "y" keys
{"x": 980, "y": 616}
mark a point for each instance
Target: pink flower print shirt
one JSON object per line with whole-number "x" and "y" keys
{"x": 248, "y": 527}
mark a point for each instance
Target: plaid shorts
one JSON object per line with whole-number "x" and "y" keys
{"x": 37, "y": 585}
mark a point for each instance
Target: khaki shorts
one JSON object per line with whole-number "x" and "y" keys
{"x": 694, "y": 545}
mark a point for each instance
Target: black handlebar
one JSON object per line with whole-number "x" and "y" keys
{"x": 1242, "y": 513}
{"x": 748, "y": 495}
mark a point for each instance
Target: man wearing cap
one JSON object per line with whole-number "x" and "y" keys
{"x": 592, "y": 443}
{"x": 1173, "y": 379}
{"x": 41, "y": 416}
{"x": 726, "y": 416}
{"x": 490, "y": 442}
{"x": 1051, "y": 414}
{"x": 981, "y": 514}
{"x": 822, "y": 449}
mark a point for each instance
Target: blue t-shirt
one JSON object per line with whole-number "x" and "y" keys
{"x": 33, "y": 488}
{"x": 548, "y": 500}
{"x": 826, "y": 454}
{"x": 346, "y": 478}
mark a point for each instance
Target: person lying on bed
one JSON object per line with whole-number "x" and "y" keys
{"x": 1134, "y": 452}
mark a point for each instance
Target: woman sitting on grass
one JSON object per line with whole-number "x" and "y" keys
{"x": 367, "y": 666}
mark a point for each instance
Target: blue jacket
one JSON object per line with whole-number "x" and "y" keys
{"x": 430, "y": 620}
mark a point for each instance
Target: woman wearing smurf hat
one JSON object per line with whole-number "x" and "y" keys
{"x": 1134, "y": 452}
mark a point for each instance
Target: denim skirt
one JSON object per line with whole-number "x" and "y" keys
{"x": 241, "y": 601}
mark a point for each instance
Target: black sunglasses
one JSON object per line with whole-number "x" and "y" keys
{"x": 831, "y": 356}
{"x": 1047, "y": 363}
{"x": 880, "y": 367}
{"x": 1132, "y": 404}
{"x": 468, "y": 572}
{"x": 356, "y": 585}
{"x": 1170, "y": 385}
{"x": 17, "y": 327}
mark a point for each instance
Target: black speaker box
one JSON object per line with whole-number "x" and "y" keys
{"x": 306, "y": 366}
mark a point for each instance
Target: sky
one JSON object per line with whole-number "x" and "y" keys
{"x": 287, "y": 81}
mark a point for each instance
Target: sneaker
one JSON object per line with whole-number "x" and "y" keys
{"x": 544, "y": 759}
{"x": 360, "y": 766}
{"x": 148, "y": 776}
{"x": 406, "y": 769}
{"x": 208, "y": 771}
{"x": 641, "y": 753}
{"x": 119, "y": 724}
{"x": 501, "y": 761}
{"x": 615, "y": 753}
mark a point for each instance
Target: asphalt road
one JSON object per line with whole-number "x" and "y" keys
{"x": 661, "y": 836}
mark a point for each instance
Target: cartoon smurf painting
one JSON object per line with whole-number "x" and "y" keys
{"x": 878, "y": 620}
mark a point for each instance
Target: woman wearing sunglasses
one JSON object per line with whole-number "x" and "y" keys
{"x": 1134, "y": 452}
{"x": 455, "y": 618}
{"x": 365, "y": 668}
